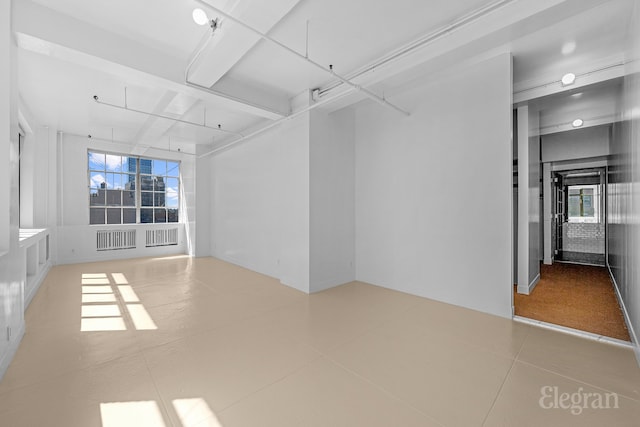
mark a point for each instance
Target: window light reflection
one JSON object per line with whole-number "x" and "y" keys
{"x": 93, "y": 298}
{"x": 141, "y": 319}
{"x": 131, "y": 414}
{"x": 98, "y": 315}
{"x": 100, "y": 310}
{"x": 102, "y": 324}
{"x": 128, "y": 294}
{"x": 97, "y": 290}
{"x": 119, "y": 279}
{"x": 195, "y": 412}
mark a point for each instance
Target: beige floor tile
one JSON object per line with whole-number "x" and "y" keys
{"x": 225, "y": 365}
{"x": 520, "y": 404}
{"x": 43, "y": 355}
{"x": 435, "y": 375}
{"x": 602, "y": 365}
{"x": 432, "y": 318}
{"x": 74, "y": 399}
{"x": 322, "y": 394}
{"x": 334, "y": 317}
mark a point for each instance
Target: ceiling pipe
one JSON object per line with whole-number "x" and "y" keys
{"x": 202, "y": 125}
{"x": 424, "y": 40}
{"x": 321, "y": 67}
{"x": 134, "y": 145}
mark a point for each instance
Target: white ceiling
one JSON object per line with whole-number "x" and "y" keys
{"x": 145, "y": 46}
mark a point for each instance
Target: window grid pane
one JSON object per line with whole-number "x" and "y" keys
{"x": 128, "y": 190}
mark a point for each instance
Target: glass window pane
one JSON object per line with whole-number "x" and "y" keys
{"x": 159, "y": 184}
{"x": 118, "y": 181}
{"x": 145, "y": 166}
{"x": 146, "y": 198}
{"x": 128, "y": 216}
{"x": 98, "y": 180}
{"x": 128, "y": 164}
{"x": 96, "y": 197}
{"x": 110, "y": 181}
{"x": 96, "y": 216}
{"x": 158, "y": 199}
{"x": 172, "y": 215}
{"x": 171, "y": 193}
{"x": 146, "y": 216}
{"x": 159, "y": 167}
{"x": 146, "y": 183}
{"x": 96, "y": 161}
{"x": 128, "y": 198}
{"x": 114, "y": 198}
{"x": 160, "y": 215}
{"x": 114, "y": 163}
{"x": 173, "y": 168}
{"x": 113, "y": 216}
{"x": 129, "y": 182}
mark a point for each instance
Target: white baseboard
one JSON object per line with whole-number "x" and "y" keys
{"x": 627, "y": 319}
{"x": 527, "y": 289}
{"x": 11, "y": 351}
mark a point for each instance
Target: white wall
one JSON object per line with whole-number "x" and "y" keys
{"x": 623, "y": 232}
{"x": 433, "y": 191}
{"x": 75, "y": 237}
{"x": 12, "y": 266}
{"x": 528, "y": 199}
{"x": 332, "y": 199}
{"x": 260, "y": 204}
{"x": 576, "y": 144}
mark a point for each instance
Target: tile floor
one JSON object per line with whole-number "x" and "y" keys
{"x": 199, "y": 342}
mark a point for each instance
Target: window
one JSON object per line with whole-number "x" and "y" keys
{"x": 584, "y": 203}
{"x": 130, "y": 190}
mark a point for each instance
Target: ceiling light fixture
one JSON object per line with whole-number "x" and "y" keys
{"x": 577, "y": 123}
{"x": 568, "y": 48}
{"x": 568, "y": 79}
{"x": 200, "y": 16}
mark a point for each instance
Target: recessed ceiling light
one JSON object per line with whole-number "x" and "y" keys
{"x": 199, "y": 16}
{"x": 568, "y": 79}
{"x": 577, "y": 123}
{"x": 568, "y": 48}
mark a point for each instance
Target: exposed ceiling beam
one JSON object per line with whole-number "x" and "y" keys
{"x": 48, "y": 32}
{"x": 231, "y": 42}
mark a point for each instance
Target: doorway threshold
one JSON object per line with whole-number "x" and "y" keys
{"x": 575, "y": 332}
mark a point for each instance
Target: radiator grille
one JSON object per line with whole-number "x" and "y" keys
{"x": 163, "y": 237}
{"x": 108, "y": 240}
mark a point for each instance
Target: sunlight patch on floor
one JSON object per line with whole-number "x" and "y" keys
{"x": 98, "y": 315}
{"x": 131, "y": 414}
{"x": 195, "y": 412}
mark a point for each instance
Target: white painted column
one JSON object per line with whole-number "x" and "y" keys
{"x": 547, "y": 213}
{"x": 528, "y": 199}
{"x": 203, "y": 196}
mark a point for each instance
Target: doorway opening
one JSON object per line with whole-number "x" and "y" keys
{"x": 580, "y": 216}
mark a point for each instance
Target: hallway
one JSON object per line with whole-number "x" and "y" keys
{"x": 576, "y": 296}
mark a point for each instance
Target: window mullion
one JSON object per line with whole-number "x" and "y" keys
{"x": 138, "y": 193}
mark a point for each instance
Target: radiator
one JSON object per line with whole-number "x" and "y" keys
{"x": 164, "y": 237}
{"x": 108, "y": 240}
